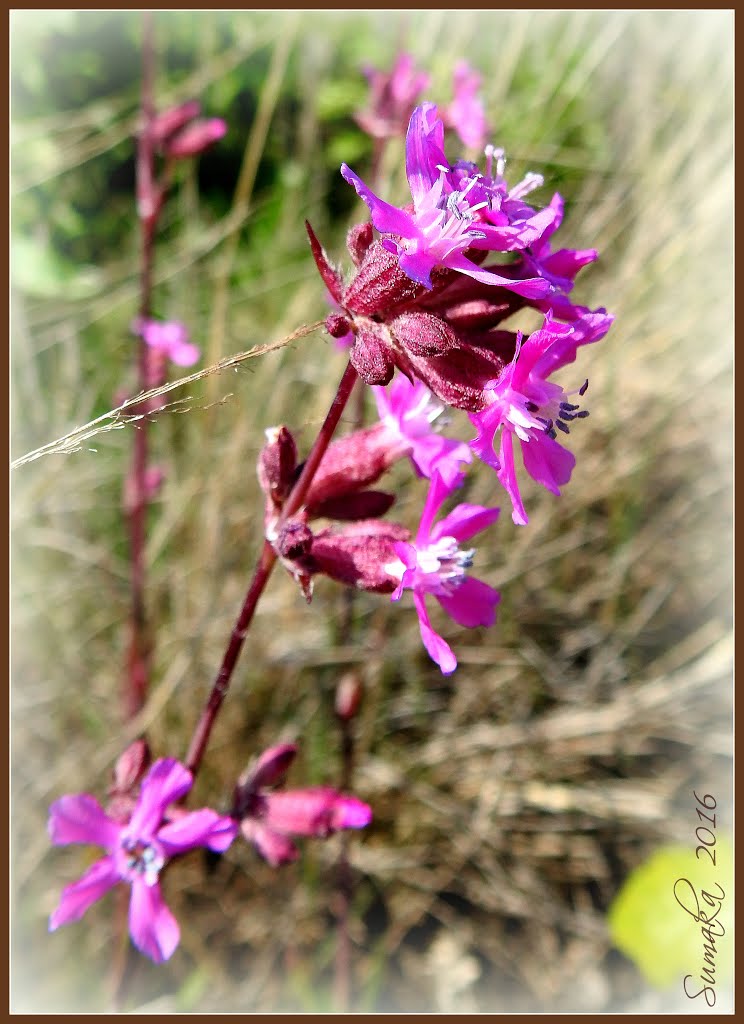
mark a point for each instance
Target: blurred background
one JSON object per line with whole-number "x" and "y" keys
{"x": 518, "y": 803}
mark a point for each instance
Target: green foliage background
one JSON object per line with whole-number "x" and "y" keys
{"x": 512, "y": 801}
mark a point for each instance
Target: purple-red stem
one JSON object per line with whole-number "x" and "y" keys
{"x": 264, "y": 566}
{"x": 148, "y": 209}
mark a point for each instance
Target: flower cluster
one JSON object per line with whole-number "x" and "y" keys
{"x": 143, "y": 833}
{"x": 425, "y": 300}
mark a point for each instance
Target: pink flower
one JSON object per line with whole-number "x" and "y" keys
{"x": 435, "y": 564}
{"x": 443, "y": 223}
{"x": 169, "y": 337}
{"x": 136, "y": 853}
{"x": 392, "y": 97}
{"x": 269, "y": 818}
{"x": 523, "y": 402}
{"x": 408, "y": 411}
{"x": 196, "y": 137}
{"x": 465, "y": 113}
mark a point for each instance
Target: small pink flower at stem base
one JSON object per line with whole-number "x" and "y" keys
{"x": 171, "y": 339}
{"x": 435, "y": 564}
{"x": 268, "y": 820}
{"x": 136, "y": 852}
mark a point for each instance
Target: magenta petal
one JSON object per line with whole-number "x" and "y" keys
{"x": 443, "y": 454}
{"x": 153, "y": 928}
{"x": 424, "y": 150}
{"x": 79, "y": 818}
{"x": 77, "y": 897}
{"x": 184, "y": 355}
{"x": 419, "y": 265}
{"x": 487, "y": 423}
{"x": 439, "y": 650}
{"x": 472, "y": 604}
{"x": 548, "y": 462}
{"x": 168, "y": 780}
{"x": 530, "y": 288}
{"x": 385, "y": 217}
{"x": 464, "y": 522}
{"x": 507, "y": 475}
{"x": 199, "y": 828}
{"x": 305, "y": 812}
{"x": 438, "y": 491}
{"x": 348, "y": 812}
{"x": 273, "y": 846}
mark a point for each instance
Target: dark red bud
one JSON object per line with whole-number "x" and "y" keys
{"x": 131, "y": 766}
{"x": 331, "y": 277}
{"x": 371, "y": 356}
{"x": 348, "y": 696}
{"x": 277, "y": 464}
{"x": 362, "y": 505}
{"x": 337, "y": 325}
{"x": 294, "y": 539}
{"x": 379, "y": 284}
{"x": 268, "y": 770}
{"x": 459, "y": 377}
{"x": 357, "y": 555}
{"x": 358, "y": 241}
{"x": 354, "y": 462}
{"x": 423, "y": 334}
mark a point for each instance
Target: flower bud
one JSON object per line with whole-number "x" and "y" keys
{"x": 172, "y": 120}
{"x": 293, "y": 540}
{"x": 357, "y": 555}
{"x": 131, "y": 766}
{"x": 370, "y": 355}
{"x": 358, "y": 241}
{"x": 337, "y": 325}
{"x": 196, "y": 137}
{"x": 354, "y": 462}
{"x": 423, "y": 334}
{"x": 362, "y": 505}
{"x": 348, "y": 696}
{"x": 379, "y": 284}
{"x": 277, "y": 464}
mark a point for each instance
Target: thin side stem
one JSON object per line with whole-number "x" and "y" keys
{"x": 261, "y": 574}
{"x": 148, "y": 206}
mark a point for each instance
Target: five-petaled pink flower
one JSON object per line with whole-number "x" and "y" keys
{"x": 435, "y": 564}
{"x": 171, "y": 338}
{"x": 445, "y": 220}
{"x": 523, "y": 402}
{"x": 268, "y": 818}
{"x": 136, "y": 852}
{"x": 409, "y": 411}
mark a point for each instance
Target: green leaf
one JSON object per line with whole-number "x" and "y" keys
{"x": 650, "y": 926}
